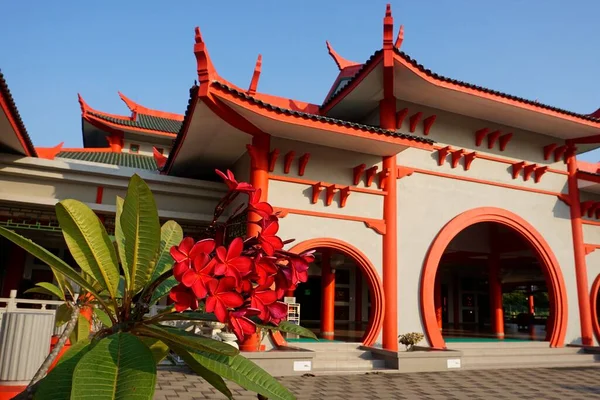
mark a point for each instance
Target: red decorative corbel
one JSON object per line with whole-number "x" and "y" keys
{"x": 597, "y": 213}
{"x": 456, "y": 155}
{"x": 559, "y": 152}
{"x": 516, "y": 168}
{"x": 442, "y": 153}
{"x": 414, "y": 120}
{"x": 289, "y": 157}
{"x": 565, "y": 198}
{"x": 378, "y": 225}
{"x": 427, "y": 124}
{"x": 538, "y": 172}
{"x": 384, "y": 173}
{"x": 357, "y": 172}
{"x": 504, "y": 139}
{"x": 492, "y": 137}
{"x": 586, "y": 205}
{"x": 400, "y": 115}
{"x": 302, "y": 163}
{"x": 469, "y": 157}
{"x": 329, "y": 192}
{"x": 344, "y": 193}
{"x": 528, "y": 170}
{"x": 548, "y": 149}
{"x": 593, "y": 209}
{"x": 317, "y": 188}
{"x": 479, "y": 135}
{"x": 371, "y": 172}
{"x": 273, "y": 159}
{"x": 404, "y": 171}
{"x": 589, "y": 248}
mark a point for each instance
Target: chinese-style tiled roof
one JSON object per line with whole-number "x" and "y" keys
{"x": 177, "y": 142}
{"x": 428, "y": 72}
{"x": 320, "y": 118}
{"x": 12, "y": 109}
{"x": 129, "y": 160}
{"x": 142, "y": 121}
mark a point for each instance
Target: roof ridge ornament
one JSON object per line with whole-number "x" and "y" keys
{"x": 206, "y": 70}
{"x": 84, "y": 106}
{"x": 341, "y": 62}
{"x": 388, "y": 28}
{"x": 255, "y": 76}
{"x": 400, "y": 38}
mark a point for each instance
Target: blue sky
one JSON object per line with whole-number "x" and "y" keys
{"x": 538, "y": 49}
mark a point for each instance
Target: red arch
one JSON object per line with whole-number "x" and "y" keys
{"x": 594, "y": 307}
{"x": 376, "y": 318}
{"x": 546, "y": 257}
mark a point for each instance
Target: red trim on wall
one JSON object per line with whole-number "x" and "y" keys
{"x": 459, "y": 223}
{"x": 594, "y": 307}
{"x": 302, "y": 181}
{"x": 372, "y": 276}
{"x": 99, "y": 194}
{"x": 378, "y": 225}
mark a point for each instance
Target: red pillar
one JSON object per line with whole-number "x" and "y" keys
{"x": 115, "y": 141}
{"x": 531, "y": 306}
{"x": 259, "y": 174}
{"x": 583, "y": 296}
{"x": 358, "y": 297}
{"x": 497, "y": 313}
{"x": 15, "y": 270}
{"x": 437, "y": 298}
{"x": 387, "y": 120}
{"x": 327, "y": 296}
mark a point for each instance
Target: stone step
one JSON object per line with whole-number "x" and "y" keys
{"x": 347, "y": 365}
{"x": 497, "y": 345}
{"x": 327, "y": 346}
{"x": 344, "y": 355}
{"x": 564, "y": 364}
{"x": 540, "y": 359}
{"x": 485, "y": 352}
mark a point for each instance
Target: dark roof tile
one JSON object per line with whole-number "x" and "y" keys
{"x": 137, "y": 161}
{"x": 144, "y": 121}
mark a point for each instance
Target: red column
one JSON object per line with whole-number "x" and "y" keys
{"x": 327, "y": 296}
{"x": 115, "y": 141}
{"x": 497, "y": 313}
{"x": 358, "y": 297}
{"x": 531, "y": 306}
{"x": 437, "y": 299}
{"x": 259, "y": 174}
{"x": 583, "y": 296}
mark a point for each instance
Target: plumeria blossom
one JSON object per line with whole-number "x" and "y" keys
{"x": 245, "y": 278}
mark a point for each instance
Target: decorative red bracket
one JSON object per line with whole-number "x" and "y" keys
{"x": 344, "y": 193}
{"x": 469, "y": 157}
{"x": 504, "y": 139}
{"x": 384, "y": 173}
{"x": 371, "y": 172}
{"x": 586, "y": 205}
{"x": 590, "y": 248}
{"x": 548, "y": 149}
{"x": 317, "y": 188}
{"x": 456, "y": 155}
{"x": 565, "y": 198}
{"x": 289, "y": 157}
{"x": 414, "y": 120}
{"x": 428, "y": 123}
{"x": 492, "y": 137}
{"x": 538, "y": 172}
{"x": 403, "y": 172}
{"x": 400, "y": 115}
{"x": 329, "y": 192}
{"x": 378, "y": 225}
{"x": 357, "y": 172}
{"x": 442, "y": 153}
{"x": 273, "y": 159}
{"x": 528, "y": 170}
{"x": 516, "y": 168}
{"x": 559, "y": 152}
{"x": 597, "y": 213}
{"x": 591, "y": 212}
{"x": 302, "y": 163}
{"x": 479, "y": 135}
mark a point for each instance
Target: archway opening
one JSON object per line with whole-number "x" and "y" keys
{"x": 342, "y": 299}
{"x": 595, "y": 307}
{"x": 497, "y": 258}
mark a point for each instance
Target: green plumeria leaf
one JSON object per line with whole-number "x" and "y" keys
{"x": 171, "y": 235}
{"x": 245, "y": 373}
{"x": 141, "y": 229}
{"x": 63, "y": 315}
{"x": 120, "y": 240}
{"x": 47, "y": 288}
{"x": 288, "y": 327}
{"x": 57, "y": 384}
{"x": 159, "y": 349}
{"x": 163, "y": 289}
{"x": 89, "y": 243}
{"x": 103, "y": 317}
{"x": 81, "y": 331}
{"x": 119, "y": 367}
{"x": 189, "y": 316}
{"x": 209, "y": 376}
{"x": 177, "y": 336}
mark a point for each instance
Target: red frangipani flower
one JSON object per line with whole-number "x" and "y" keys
{"x": 264, "y": 270}
{"x": 221, "y": 297}
{"x": 277, "y": 312}
{"x": 240, "y": 324}
{"x": 184, "y": 298}
{"x": 262, "y": 208}
{"x": 267, "y": 236}
{"x": 260, "y": 298}
{"x": 231, "y": 263}
{"x": 233, "y": 184}
{"x": 186, "y": 252}
{"x": 199, "y": 275}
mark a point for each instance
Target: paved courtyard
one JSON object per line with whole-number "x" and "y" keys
{"x": 551, "y": 383}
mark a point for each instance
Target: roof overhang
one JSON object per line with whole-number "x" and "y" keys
{"x": 95, "y": 131}
{"x": 588, "y": 181}
{"x": 13, "y": 135}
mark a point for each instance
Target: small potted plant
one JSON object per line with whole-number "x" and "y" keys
{"x": 410, "y": 340}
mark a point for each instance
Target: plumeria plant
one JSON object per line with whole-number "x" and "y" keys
{"x": 239, "y": 283}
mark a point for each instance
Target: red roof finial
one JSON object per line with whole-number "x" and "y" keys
{"x": 198, "y": 36}
{"x": 400, "y": 38}
{"x": 82, "y": 104}
{"x": 388, "y": 27}
{"x": 206, "y": 70}
{"x": 255, "y": 76}
{"x": 339, "y": 60}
